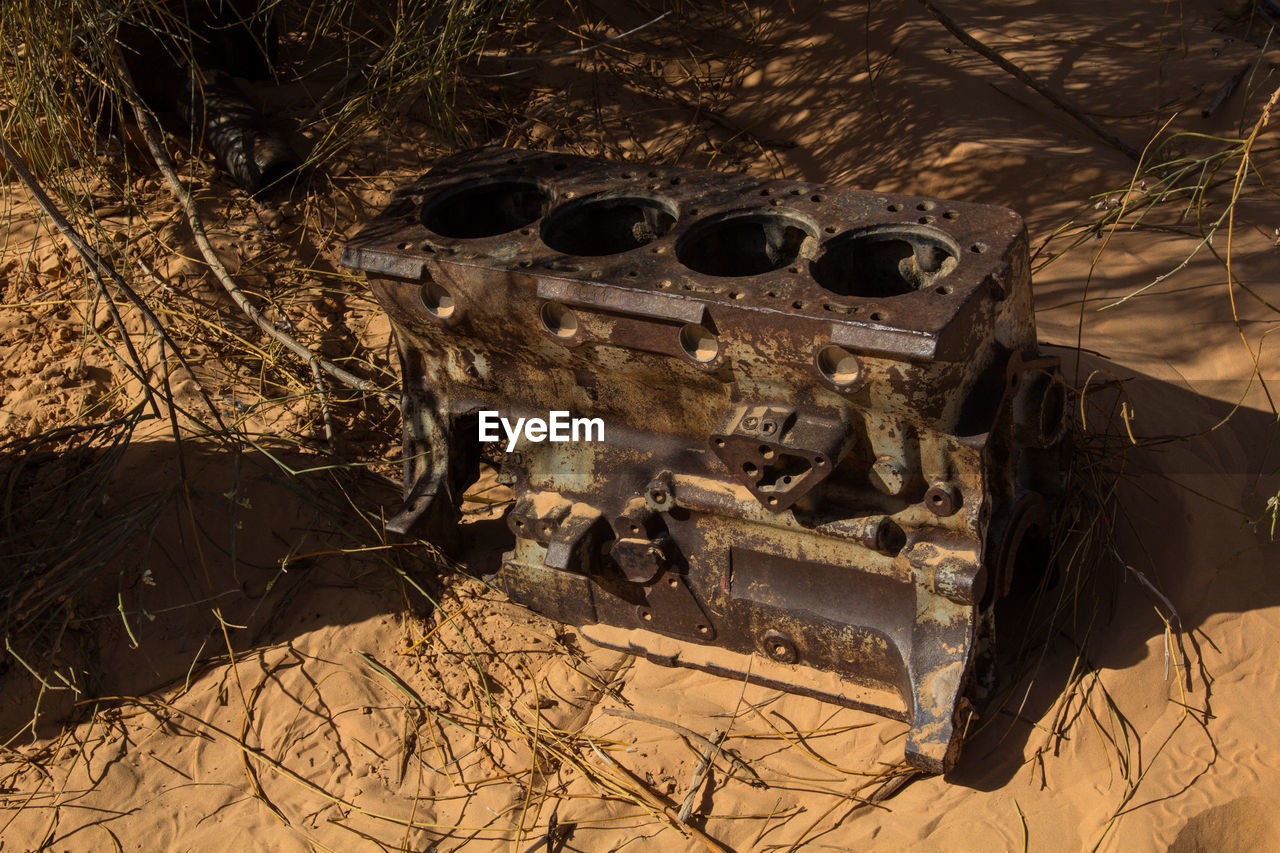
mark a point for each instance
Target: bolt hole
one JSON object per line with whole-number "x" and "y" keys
{"x": 819, "y": 461}
{"x": 838, "y": 365}
{"x": 766, "y": 191}
{"x": 890, "y": 538}
{"x": 879, "y": 316}
{"x": 951, "y": 214}
{"x": 558, "y": 320}
{"x": 830, "y": 229}
{"x": 798, "y": 304}
{"x": 943, "y": 289}
{"x": 925, "y": 205}
{"x": 925, "y": 220}
{"x": 1052, "y": 412}
{"x": 437, "y": 300}
{"x": 702, "y": 629}
{"x": 750, "y": 469}
{"x": 698, "y": 342}
{"x": 895, "y": 207}
{"x": 673, "y": 582}
{"x": 766, "y": 451}
{"x": 772, "y": 501}
{"x": 817, "y": 198}
{"x": 978, "y": 248}
{"x": 719, "y": 442}
{"x": 648, "y": 617}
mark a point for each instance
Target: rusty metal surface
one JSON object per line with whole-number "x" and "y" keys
{"x": 828, "y": 434}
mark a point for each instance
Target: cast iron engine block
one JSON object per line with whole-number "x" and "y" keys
{"x": 828, "y": 433}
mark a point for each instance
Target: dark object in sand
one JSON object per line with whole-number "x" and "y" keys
{"x": 196, "y": 80}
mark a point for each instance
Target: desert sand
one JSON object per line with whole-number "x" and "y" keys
{"x": 261, "y": 671}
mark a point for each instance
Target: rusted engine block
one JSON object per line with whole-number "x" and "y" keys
{"x": 827, "y": 431}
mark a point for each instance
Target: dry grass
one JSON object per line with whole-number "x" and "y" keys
{"x": 1193, "y": 186}
{"x": 254, "y": 398}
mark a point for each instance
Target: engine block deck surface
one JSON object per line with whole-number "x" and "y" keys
{"x": 816, "y": 436}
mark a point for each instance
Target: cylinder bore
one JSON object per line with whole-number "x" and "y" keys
{"x": 743, "y": 243}
{"x": 886, "y": 261}
{"x": 608, "y": 224}
{"x": 486, "y": 208}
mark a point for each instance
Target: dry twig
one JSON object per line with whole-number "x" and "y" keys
{"x": 700, "y": 774}
{"x": 151, "y": 134}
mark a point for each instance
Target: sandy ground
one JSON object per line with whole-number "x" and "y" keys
{"x": 290, "y": 685}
